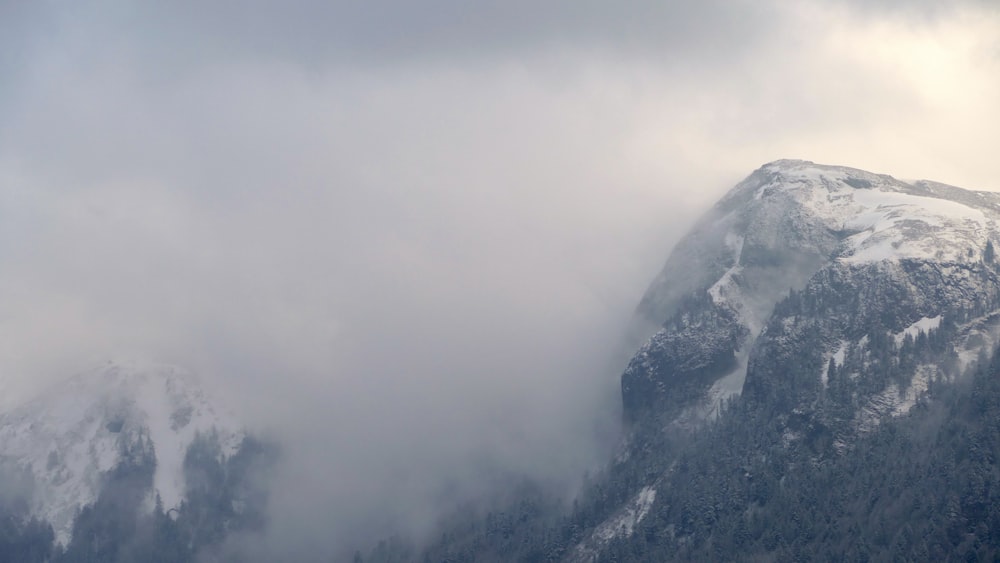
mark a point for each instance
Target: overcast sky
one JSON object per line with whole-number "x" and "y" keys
{"x": 406, "y": 237}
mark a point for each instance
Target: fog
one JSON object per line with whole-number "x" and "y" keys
{"x": 406, "y": 243}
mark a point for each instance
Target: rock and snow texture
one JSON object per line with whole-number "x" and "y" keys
{"x": 884, "y": 218}
{"x": 68, "y": 438}
{"x": 814, "y": 214}
{"x": 621, "y": 524}
{"x": 798, "y": 225}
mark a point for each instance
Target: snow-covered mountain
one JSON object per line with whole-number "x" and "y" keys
{"x": 66, "y": 442}
{"x": 824, "y": 299}
{"x": 867, "y": 246}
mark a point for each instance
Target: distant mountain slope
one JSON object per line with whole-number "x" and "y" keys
{"x": 74, "y": 434}
{"x": 118, "y": 447}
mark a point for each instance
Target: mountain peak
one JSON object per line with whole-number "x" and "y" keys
{"x": 800, "y": 211}
{"x": 787, "y": 225}
{"x": 788, "y": 163}
{"x": 874, "y": 216}
{"x": 70, "y": 437}
{"x": 789, "y": 174}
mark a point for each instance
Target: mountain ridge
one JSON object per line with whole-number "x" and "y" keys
{"x": 783, "y": 177}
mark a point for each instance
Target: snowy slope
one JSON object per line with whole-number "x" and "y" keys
{"x": 776, "y": 231}
{"x": 69, "y": 437}
{"x": 621, "y": 524}
{"x": 829, "y": 212}
{"x": 889, "y": 219}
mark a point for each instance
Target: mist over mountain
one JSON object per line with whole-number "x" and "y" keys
{"x": 820, "y": 388}
{"x": 822, "y": 385}
{"x": 388, "y": 255}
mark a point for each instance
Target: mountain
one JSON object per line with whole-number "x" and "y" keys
{"x": 69, "y": 438}
{"x": 111, "y": 448}
{"x": 826, "y": 298}
{"x": 859, "y": 250}
{"x": 819, "y": 387}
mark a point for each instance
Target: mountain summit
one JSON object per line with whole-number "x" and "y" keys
{"x": 796, "y": 213}
{"x": 866, "y": 246}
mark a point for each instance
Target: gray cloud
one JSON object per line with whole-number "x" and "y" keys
{"x": 409, "y": 245}
{"x": 394, "y": 280}
{"x": 925, "y": 10}
{"x": 313, "y": 32}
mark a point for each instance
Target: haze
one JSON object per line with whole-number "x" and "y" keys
{"x": 406, "y": 239}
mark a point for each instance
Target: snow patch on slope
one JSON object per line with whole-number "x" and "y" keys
{"x": 621, "y": 524}
{"x": 727, "y": 290}
{"x": 724, "y": 388}
{"x": 894, "y": 226}
{"x": 924, "y": 325}
{"x": 894, "y": 401}
{"x": 889, "y": 219}
{"x": 838, "y": 358}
